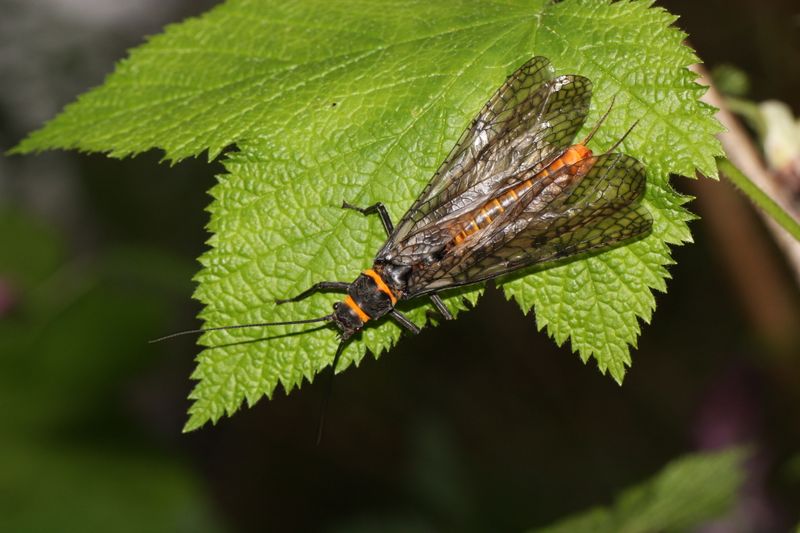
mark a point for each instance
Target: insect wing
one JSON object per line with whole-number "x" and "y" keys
{"x": 601, "y": 212}
{"x": 596, "y": 212}
{"x": 546, "y": 193}
{"x": 502, "y": 112}
{"x": 531, "y": 119}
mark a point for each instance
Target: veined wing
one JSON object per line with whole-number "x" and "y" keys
{"x": 531, "y": 119}
{"x": 598, "y": 211}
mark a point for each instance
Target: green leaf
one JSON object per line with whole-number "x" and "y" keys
{"x": 329, "y": 101}
{"x": 686, "y": 493}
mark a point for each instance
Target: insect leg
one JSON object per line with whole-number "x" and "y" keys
{"x": 375, "y": 208}
{"x": 334, "y": 286}
{"x": 401, "y": 319}
{"x": 441, "y": 307}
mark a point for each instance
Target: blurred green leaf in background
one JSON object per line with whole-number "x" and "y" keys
{"x": 688, "y": 492}
{"x": 70, "y": 338}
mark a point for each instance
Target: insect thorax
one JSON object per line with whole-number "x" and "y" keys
{"x": 374, "y": 298}
{"x": 394, "y": 275}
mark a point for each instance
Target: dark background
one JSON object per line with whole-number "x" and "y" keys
{"x": 482, "y": 424}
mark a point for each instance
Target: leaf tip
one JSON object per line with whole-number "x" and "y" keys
{"x": 195, "y": 422}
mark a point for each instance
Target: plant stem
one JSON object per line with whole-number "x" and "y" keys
{"x": 759, "y": 197}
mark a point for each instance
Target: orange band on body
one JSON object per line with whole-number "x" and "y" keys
{"x": 349, "y": 302}
{"x": 381, "y": 284}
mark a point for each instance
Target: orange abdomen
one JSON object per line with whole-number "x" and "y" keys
{"x": 477, "y": 220}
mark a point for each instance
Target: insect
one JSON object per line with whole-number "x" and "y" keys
{"x": 514, "y": 192}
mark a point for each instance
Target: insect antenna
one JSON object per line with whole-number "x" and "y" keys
{"x": 599, "y": 122}
{"x": 616, "y": 144}
{"x": 328, "y": 391}
{"x": 326, "y": 318}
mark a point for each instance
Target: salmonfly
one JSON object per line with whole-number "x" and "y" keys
{"x": 514, "y": 192}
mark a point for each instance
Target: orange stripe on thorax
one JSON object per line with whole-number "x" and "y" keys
{"x": 349, "y": 302}
{"x": 382, "y": 286}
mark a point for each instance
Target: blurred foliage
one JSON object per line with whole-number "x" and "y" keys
{"x": 71, "y": 341}
{"x": 730, "y": 80}
{"x": 685, "y": 494}
{"x": 94, "y": 488}
{"x": 37, "y": 251}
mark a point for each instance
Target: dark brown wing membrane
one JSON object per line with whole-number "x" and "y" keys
{"x": 531, "y": 119}
{"x": 564, "y": 217}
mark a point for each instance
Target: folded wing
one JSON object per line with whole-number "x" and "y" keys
{"x": 531, "y": 119}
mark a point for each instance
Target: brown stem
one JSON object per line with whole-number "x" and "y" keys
{"x": 741, "y": 150}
